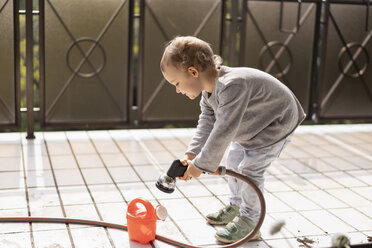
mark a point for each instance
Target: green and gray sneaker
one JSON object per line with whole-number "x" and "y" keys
{"x": 224, "y": 215}
{"x": 236, "y": 230}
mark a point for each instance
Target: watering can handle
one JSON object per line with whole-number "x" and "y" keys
{"x": 145, "y": 203}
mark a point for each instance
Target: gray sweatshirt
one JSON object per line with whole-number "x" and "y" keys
{"x": 247, "y": 106}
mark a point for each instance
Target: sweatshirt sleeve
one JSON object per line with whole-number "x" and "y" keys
{"x": 204, "y": 127}
{"x": 232, "y": 104}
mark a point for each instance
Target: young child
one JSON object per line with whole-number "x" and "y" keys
{"x": 245, "y": 108}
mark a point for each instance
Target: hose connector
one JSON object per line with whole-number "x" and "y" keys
{"x": 221, "y": 171}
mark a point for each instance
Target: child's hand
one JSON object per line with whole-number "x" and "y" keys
{"x": 191, "y": 172}
{"x": 189, "y": 156}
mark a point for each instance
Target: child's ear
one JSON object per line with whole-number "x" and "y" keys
{"x": 193, "y": 71}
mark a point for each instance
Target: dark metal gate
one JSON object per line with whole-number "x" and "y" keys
{"x": 84, "y": 79}
{"x": 9, "y": 65}
{"x": 88, "y": 77}
{"x": 280, "y": 38}
{"x": 161, "y": 21}
{"x": 345, "y": 88}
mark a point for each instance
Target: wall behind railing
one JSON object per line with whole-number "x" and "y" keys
{"x": 95, "y": 63}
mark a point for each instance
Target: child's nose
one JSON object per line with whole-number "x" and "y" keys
{"x": 178, "y": 91}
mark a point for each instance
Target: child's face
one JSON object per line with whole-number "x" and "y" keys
{"x": 188, "y": 83}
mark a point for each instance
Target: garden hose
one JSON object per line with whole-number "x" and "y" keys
{"x": 220, "y": 171}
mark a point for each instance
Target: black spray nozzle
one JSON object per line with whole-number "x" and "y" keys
{"x": 177, "y": 169}
{"x": 167, "y": 182}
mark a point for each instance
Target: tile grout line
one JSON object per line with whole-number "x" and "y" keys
{"x": 317, "y": 171}
{"x": 343, "y": 158}
{"x": 346, "y": 146}
{"x": 345, "y": 171}
{"x": 32, "y": 239}
{"x": 289, "y": 231}
{"x": 348, "y": 206}
{"x": 299, "y": 211}
{"x": 88, "y": 189}
{"x": 58, "y": 192}
{"x": 351, "y": 149}
{"x": 322, "y": 158}
{"x": 131, "y": 166}
{"x": 298, "y": 191}
{"x": 322, "y": 208}
{"x": 326, "y": 209}
{"x": 107, "y": 169}
{"x": 325, "y": 235}
{"x": 154, "y": 162}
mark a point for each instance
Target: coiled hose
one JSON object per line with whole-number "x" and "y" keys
{"x": 220, "y": 171}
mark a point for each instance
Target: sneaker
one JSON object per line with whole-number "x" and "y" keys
{"x": 236, "y": 230}
{"x": 224, "y": 215}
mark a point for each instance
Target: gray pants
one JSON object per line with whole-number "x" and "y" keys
{"x": 252, "y": 164}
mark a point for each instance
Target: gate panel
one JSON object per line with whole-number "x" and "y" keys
{"x": 285, "y": 51}
{"x": 162, "y": 21}
{"x": 9, "y": 69}
{"x": 85, "y": 53}
{"x": 346, "y": 85}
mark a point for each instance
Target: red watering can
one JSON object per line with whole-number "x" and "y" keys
{"x": 142, "y": 222}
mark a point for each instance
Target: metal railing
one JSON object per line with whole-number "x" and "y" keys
{"x": 113, "y": 79}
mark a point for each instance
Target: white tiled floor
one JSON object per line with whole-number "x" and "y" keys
{"x": 321, "y": 185}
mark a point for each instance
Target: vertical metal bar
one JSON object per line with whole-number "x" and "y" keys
{"x": 367, "y": 15}
{"x": 314, "y": 86}
{"x": 232, "y": 31}
{"x": 322, "y": 46}
{"x": 130, "y": 80}
{"x": 222, "y": 29}
{"x": 17, "y": 86}
{"x": 29, "y": 70}
{"x": 42, "y": 62}
{"x": 141, "y": 47}
{"x": 243, "y": 30}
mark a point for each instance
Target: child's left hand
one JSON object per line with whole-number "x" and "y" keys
{"x": 191, "y": 172}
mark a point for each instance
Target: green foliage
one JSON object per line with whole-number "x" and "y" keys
{"x": 22, "y": 47}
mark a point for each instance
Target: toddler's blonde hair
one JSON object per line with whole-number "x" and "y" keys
{"x": 185, "y": 51}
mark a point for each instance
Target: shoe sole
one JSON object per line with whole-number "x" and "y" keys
{"x": 226, "y": 241}
{"x": 212, "y": 222}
